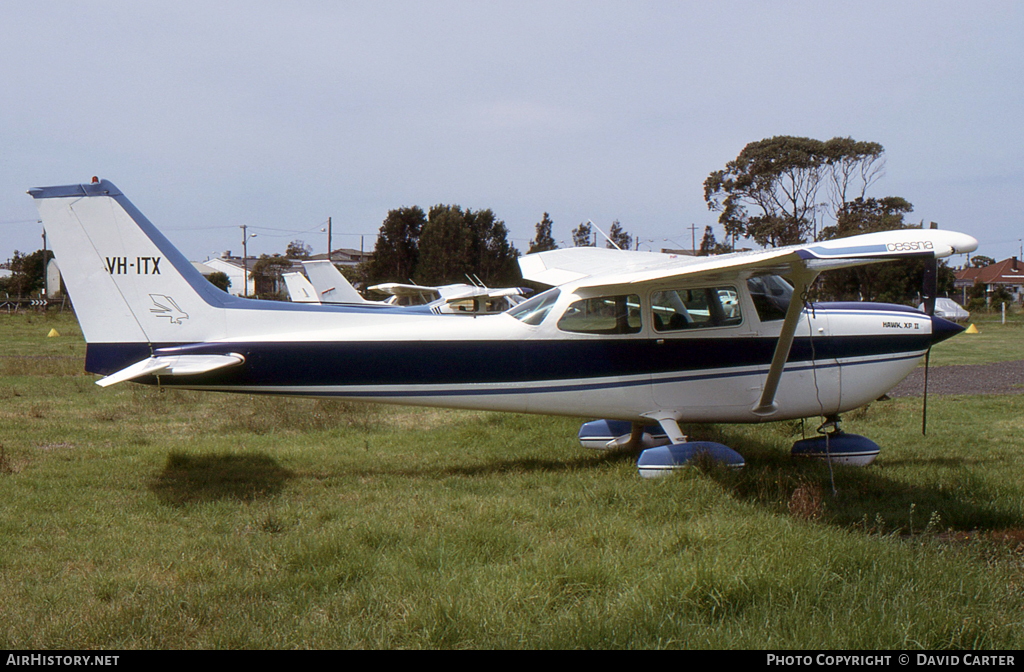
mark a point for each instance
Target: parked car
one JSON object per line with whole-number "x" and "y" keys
{"x": 949, "y": 309}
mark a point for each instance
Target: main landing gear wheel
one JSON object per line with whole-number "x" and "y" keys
{"x": 837, "y": 446}
{"x": 680, "y": 453}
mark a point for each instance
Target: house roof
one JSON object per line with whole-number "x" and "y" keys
{"x": 344, "y": 255}
{"x": 238, "y": 263}
{"x": 1006, "y": 272}
{"x": 203, "y": 268}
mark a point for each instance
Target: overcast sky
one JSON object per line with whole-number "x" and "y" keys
{"x": 278, "y": 115}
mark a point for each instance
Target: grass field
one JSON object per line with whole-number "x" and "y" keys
{"x": 135, "y": 518}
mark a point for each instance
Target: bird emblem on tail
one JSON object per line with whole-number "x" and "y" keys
{"x": 166, "y": 307}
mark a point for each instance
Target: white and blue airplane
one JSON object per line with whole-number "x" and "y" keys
{"x": 645, "y": 341}
{"x": 460, "y": 299}
{"x": 454, "y": 299}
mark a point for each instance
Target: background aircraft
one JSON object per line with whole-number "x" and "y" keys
{"x": 640, "y": 338}
{"x": 299, "y": 288}
{"x": 460, "y": 299}
{"x": 329, "y": 285}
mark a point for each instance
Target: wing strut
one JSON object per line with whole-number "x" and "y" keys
{"x": 766, "y": 405}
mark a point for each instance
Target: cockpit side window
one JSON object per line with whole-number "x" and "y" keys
{"x": 697, "y": 308}
{"x": 771, "y": 296}
{"x": 534, "y": 311}
{"x": 603, "y": 315}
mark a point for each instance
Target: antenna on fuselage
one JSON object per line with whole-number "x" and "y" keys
{"x": 604, "y": 234}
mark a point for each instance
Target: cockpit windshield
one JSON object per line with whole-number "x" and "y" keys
{"x": 534, "y": 311}
{"x": 771, "y": 295}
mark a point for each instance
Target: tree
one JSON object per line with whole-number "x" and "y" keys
{"x": 852, "y": 167}
{"x": 770, "y": 191}
{"x": 397, "y": 249}
{"x": 496, "y": 257}
{"x": 619, "y": 237}
{"x": 867, "y": 215}
{"x": 220, "y": 280}
{"x": 710, "y": 246}
{"x": 899, "y": 282}
{"x": 27, "y": 272}
{"x": 582, "y": 235}
{"x": 456, "y": 244}
{"x": 298, "y": 249}
{"x": 977, "y": 261}
{"x": 543, "y": 240}
{"x": 266, "y": 275}
{"x": 446, "y": 244}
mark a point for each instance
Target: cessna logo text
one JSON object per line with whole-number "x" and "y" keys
{"x": 136, "y": 266}
{"x": 911, "y": 246}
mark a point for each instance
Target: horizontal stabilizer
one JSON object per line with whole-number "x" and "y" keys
{"x": 174, "y": 365}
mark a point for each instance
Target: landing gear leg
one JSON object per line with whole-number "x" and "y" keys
{"x": 632, "y": 441}
{"x": 671, "y": 427}
{"x": 830, "y": 426}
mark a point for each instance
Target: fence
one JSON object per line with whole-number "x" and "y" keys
{"x": 13, "y": 304}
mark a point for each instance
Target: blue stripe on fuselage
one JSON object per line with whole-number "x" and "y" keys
{"x": 489, "y": 362}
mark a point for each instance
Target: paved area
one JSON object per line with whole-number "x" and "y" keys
{"x": 997, "y": 378}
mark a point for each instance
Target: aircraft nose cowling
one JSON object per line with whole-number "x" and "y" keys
{"x": 943, "y": 329}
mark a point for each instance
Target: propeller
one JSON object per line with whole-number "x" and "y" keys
{"x": 929, "y": 288}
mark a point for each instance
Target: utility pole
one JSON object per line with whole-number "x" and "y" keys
{"x": 46, "y": 287}
{"x": 245, "y": 254}
{"x": 693, "y": 237}
{"x": 329, "y": 240}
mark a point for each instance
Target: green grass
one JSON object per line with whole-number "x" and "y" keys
{"x": 994, "y": 342}
{"x": 135, "y": 518}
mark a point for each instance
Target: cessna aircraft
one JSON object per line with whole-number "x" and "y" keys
{"x": 333, "y": 287}
{"x": 457, "y": 299}
{"x": 643, "y": 340}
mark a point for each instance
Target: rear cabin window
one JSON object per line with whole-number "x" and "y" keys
{"x": 771, "y": 296}
{"x": 699, "y": 308}
{"x": 603, "y": 315}
{"x": 462, "y": 305}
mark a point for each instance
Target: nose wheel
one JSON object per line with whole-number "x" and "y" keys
{"x": 836, "y": 446}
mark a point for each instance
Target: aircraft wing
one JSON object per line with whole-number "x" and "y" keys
{"x": 557, "y": 267}
{"x": 465, "y": 291}
{"x": 592, "y": 267}
{"x": 398, "y": 289}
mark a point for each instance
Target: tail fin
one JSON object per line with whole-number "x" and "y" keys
{"x": 128, "y": 284}
{"x": 331, "y": 286}
{"x": 299, "y": 289}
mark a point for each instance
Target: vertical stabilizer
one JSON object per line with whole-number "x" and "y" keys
{"x": 330, "y": 285}
{"x": 127, "y": 282}
{"x": 299, "y": 289}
